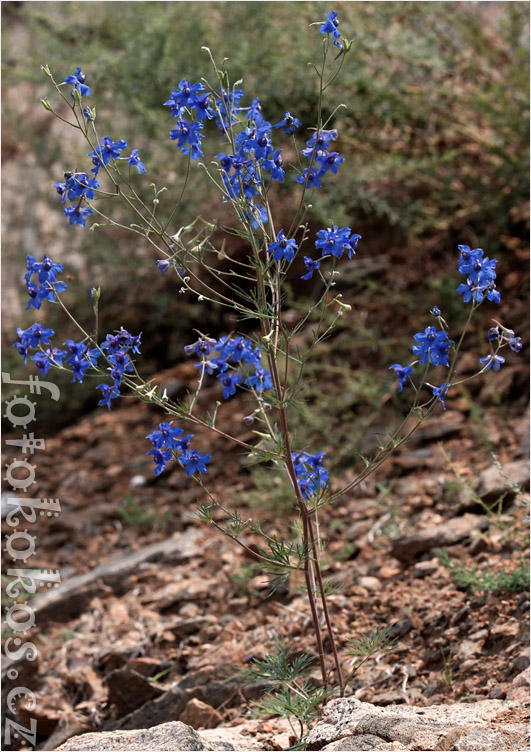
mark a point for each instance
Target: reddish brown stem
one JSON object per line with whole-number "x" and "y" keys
{"x": 316, "y": 566}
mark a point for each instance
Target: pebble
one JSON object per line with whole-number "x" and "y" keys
{"x": 497, "y": 693}
{"x": 425, "y": 568}
{"x": 522, "y": 662}
{"x": 372, "y": 584}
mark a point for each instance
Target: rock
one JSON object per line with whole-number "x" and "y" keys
{"x": 71, "y": 597}
{"x": 476, "y": 726}
{"x": 497, "y": 693}
{"x": 522, "y": 662}
{"x": 469, "y": 648}
{"x": 165, "y": 738}
{"x": 128, "y": 690}
{"x": 146, "y": 666}
{"x": 506, "y": 629}
{"x": 156, "y": 712}
{"x": 400, "y": 628}
{"x": 521, "y": 679}
{"x": 391, "y": 697}
{"x": 362, "y": 742}
{"x": 447, "y": 424}
{"x": 436, "y": 536}
{"x": 425, "y": 568}
{"x": 372, "y": 584}
{"x": 493, "y": 483}
{"x": 200, "y": 715}
{"x": 357, "y": 530}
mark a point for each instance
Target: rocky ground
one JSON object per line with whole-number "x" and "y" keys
{"x": 156, "y": 615}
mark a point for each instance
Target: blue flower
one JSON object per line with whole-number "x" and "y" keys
{"x": 79, "y": 184}
{"x": 44, "y": 360}
{"x": 515, "y": 344}
{"x": 228, "y": 105}
{"x": 311, "y": 266}
{"x": 433, "y": 347}
{"x": 288, "y": 123}
{"x": 440, "y": 392}
{"x": 481, "y": 274}
{"x": 330, "y": 27}
{"x": 35, "y": 335}
{"x": 274, "y": 163}
{"x": 402, "y": 373}
{"x": 229, "y": 382}
{"x": 134, "y": 160}
{"x": 435, "y": 311}
{"x": 45, "y": 292}
{"x": 203, "y": 108}
{"x": 47, "y": 276}
{"x": 311, "y": 178}
{"x": 108, "y": 150}
{"x": 165, "y": 436}
{"x": 492, "y": 361}
{"x": 283, "y": 248}
{"x": 184, "y": 96}
{"x": 107, "y": 394}
{"x": 254, "y": 112}
{"x": 329, "y": 161}
{"x": 193, "y": 462}
{"x": 353, "y": 244}
{"x": 260, "y": 381}
{"x": 160, "y": 459}
{"x": 46, "y": 269}
{"x": 312, "y": 478}
{"x": 188, "y": 137}
{"x": 77, "y": 215}
{"x": 78, "y": 79}
{"x": 334, "y": 240}
{"x": 321, "y": 139}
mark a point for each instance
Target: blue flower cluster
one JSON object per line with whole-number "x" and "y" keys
{"x": 237, "y": 349}
{"x": 167, "y": 442}
{"x": 77, "y": 186}
{"x": 481, "y": 274}
{"x": 433, "y": 346}
{"x": 332, "y": 242}
{"x": 317, "y": 152}
{"x": 48, "y": 286}
{"x": 312, "y": 478}
{"x": 79, "y": 357}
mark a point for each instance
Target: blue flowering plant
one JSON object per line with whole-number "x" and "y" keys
{"x": 265, "y": 368}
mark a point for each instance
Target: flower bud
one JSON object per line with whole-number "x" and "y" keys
{"x": 46, "y": 105}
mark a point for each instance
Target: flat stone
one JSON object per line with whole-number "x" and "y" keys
{"x": 128, "y": 690}
{"x": 165, "y": 738}
{"x": 493, "y": 484}
{"x": 521, "y": 679}
{"x": 200, "y": 715}
{"x": 362, "y": 742}
{"x": 372, "y": 584}
{"x": 436, "y": 536}
{"x": 461, "y": 726}
{"x": 71, "y": 597}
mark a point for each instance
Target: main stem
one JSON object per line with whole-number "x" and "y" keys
{"x": 309, "y": 573}
{"x": 317, "y": 568}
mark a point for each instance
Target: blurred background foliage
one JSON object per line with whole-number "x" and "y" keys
{"x": 435, "y": 133}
